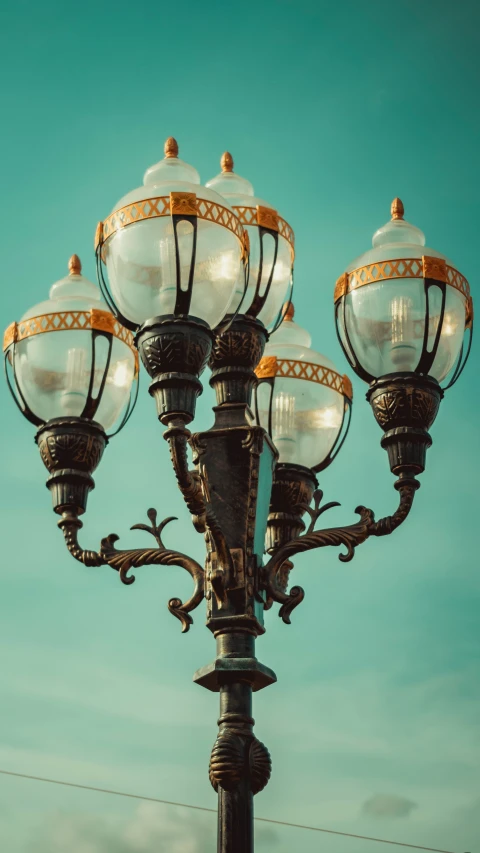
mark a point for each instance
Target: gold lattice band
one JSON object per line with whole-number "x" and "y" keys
{"x": 268, "y": 218}
{"x": 60, "y": 321}
{"x": 271, "y": 366}
{"x": 186, "y": 204}
{"x": 425, "y": 267}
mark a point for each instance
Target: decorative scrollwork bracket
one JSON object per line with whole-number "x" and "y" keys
{"x": 349, "y": 536}
{"x": 124, "y": 560}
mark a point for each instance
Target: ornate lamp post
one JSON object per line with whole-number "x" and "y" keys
{"x": 198, "y": 275}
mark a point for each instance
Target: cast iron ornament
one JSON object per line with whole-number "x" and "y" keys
{"x": 240, "y": 498}
{"x": 244, "y": 503}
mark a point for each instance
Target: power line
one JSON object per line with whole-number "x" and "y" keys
{"x": 214, "y": 811}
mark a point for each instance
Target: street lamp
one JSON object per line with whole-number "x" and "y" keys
{"x": 271, "y": 248}
{"x": 196, "y": 275}
{"x": 404, "y": 319}
{"x": 70, "y": 366}
{"x": 305, "y": 405}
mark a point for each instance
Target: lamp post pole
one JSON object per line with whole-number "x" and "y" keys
{"x": 281, "y": 414}
{"x": 235, "y": 493}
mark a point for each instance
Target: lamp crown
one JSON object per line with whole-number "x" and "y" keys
{"x": 171, "y": 147}
{"x": 226, "y": 162}
{"x": 75, "y": 265}
{"x": 289, "y": 311}
{"x": 397, "y": 209}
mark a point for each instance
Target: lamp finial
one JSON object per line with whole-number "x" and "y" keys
{"x": 397, "y": 210}
{"x": 171, "y": 147}
{"x": 75, "y": 265}
{"x": 226, "y": 162}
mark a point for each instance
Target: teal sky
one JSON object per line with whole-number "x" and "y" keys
{"x": 331, "y": 110}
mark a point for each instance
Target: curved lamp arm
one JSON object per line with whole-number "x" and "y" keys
{"x": 123, "y": 561}
{"x": 194, "y": 488}
{"x": 70, "y": 524}
{"x": 189, "y": 482}
{"x": 349, "y": 536}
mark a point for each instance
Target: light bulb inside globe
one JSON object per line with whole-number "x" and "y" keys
{"x": 283, "y": 426}
{"x": 74, "y": 396}
{"x": 403, "y": 350}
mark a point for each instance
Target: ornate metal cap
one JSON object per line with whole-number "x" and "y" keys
{"x": 289, "y": 311}
{"x": 171, "y": 147}
{"x": 411, "y": 262}
{"x": 250, "y": 210}
{"x": 226, "y": 162}
{"x": 75, "y": 265}
{"x": 397, "y": 209}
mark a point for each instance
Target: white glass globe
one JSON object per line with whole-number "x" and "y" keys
{"x": 240, "y": 194}
{"x": 141, "y": 256}
{"x": 306, "y": 414}
{"x": 53, "y": 368}
{"x": 385, "y": 320}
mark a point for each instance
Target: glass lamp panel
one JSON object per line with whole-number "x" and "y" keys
{"x": 306, "y": 419}
{"x": 53, "y": 368}
{"x": 118, "y": 384}
{"x": 281, "y": 276}
{"x": 451, "y": 338}
{"x": 385, "y": 322}
{"x": 53, "y": 373}
{"x": 239, "y": 193}
{"x": 142, "y": 269}
{"x": 306, "y": 415}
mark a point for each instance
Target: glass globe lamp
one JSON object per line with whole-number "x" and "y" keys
{"x": 305, "y": 405}
{"x": 171, "y": 247}
{"x": 402, "y": 314}
{"x": 70, "y": 367}
{"x": 69, "y": 357}
{"x": 271, "y": 244}
{"x": 403, "y": 307}
{"x": 301, "y": 398}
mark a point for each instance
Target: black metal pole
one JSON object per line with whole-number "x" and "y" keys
{"x": 235, "y": 808}
{"x": 240, "y": 765}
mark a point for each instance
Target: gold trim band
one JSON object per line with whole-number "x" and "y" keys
{"x": 424, "y": 267}
{"x": 271, "y": 366}
{"x": 176, "y": 203}
{"x": 268, "y": 218}
{"x": 60, "y": 321}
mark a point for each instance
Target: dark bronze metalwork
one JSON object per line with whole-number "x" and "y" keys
{"x": 240, "y": 765}
{"x": 349, "y": 536}
{"x": 175, "y": 351}
{"x": 123, "y": 561}
{"x": 101, "y": 326}
{"x": 292, "y": 493}
{"x": 244, "y": 502}
{"x": 189, "y": 482}
{"x": 71, "y": 449}
{"x": 235, "y": 355}
{"x": 405, "y": 405}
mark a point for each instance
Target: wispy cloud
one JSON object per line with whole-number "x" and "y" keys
{"x": 152, "y": 827}
{"x": 388, "y": 806}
